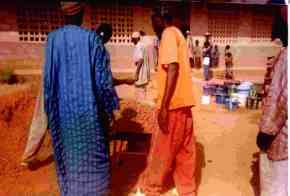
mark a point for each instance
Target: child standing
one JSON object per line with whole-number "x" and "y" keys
{"x": 229, "y": 65}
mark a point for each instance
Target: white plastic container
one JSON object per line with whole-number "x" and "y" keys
{"x": 243, "y": 92}
{"x": 242, "y": 99}
{"x": 205, "y": 100}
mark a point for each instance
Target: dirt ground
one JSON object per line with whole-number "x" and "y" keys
{"x": 226, "y": 163}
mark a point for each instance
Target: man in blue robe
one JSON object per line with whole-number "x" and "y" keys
{"x": 79, "y": 100}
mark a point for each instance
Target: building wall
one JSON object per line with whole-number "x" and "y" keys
{"x": 247, "y": 31}
{"x": 247, "y": 50}
{"x": 30, "y": 54}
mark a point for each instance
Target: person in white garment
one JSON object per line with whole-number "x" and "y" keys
{"x": 140, "y": 60}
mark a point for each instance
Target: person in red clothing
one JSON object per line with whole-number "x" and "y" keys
{"x": 273, "y": 134}
{"x": 173, "y": 149}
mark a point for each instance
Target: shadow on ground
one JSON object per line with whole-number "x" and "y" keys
{"x": 126, "y": 174}
{"x": 131, "y": 161}
{"x": 255, "y": 180}
{"x": 35, "y": 165}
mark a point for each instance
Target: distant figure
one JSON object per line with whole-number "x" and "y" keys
{"x": 229, "y": 75}
{"x": 190, "y": 48}
{"x": 142, "y": 33}
{"x": 215, "y": 55}
{"x": 206, "y": 60}
{"x": 140, "y": 59}
{"x": 209, "y": 42}
{"x": 227, "y": 49}
{"x": 151, "y": 47}
{"x": 155, "y": 52}
{"x": 144, "y": 39}
{"x": 105, "y": 31}
{"x": 197, "y": 53}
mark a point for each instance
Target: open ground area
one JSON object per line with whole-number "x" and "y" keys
{"x": 225, "y": 140}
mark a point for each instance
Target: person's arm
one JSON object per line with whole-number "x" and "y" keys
{"x": 168, "y": 61}
{"x": 171, "y": 80}
{"x": 156, "y": 63}
{"x": 172, "y": 75}
{"x": 105, "y": 93}
{"x": 275, "y": 109}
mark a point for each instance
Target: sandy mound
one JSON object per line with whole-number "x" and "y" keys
{"x": 16, "y": 107}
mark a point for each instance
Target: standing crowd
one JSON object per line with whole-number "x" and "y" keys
{"x": 208, "y": 57}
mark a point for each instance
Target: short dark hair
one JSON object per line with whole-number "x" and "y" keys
{"x": 168, "y": 17}
{"x": 76, "y": 19}
{"x": 142, "y": 33}
{"x": 206, "y": 44}
{"x": 105, "y": 30}
{"x": 280, "y": 29}
{"x": 228, "y": 46}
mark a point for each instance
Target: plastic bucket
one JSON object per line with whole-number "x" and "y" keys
{"x": 242, "y": 99}
{"x": 220, "y": 99}
{"x": 205, "y": 99}
{"x": 230, "y": 104}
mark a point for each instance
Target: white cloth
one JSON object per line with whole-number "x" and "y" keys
{"x": 38, "y": 128}
{"x": 147, "y": 41}
{"x": 136, "y": 34}
{"x": 190, "y": 47}
{"x": 138, "y": 52}
{"x": 273, "y": 176}
{"x": 206, "y": 61}
{"x": 150, "y": 48}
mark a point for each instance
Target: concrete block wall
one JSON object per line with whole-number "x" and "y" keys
{"x": 25, "y": 55}
{"x": 246, "y": 52}
{"x": 30, "y": 55}
{"x": 14, "y": 53}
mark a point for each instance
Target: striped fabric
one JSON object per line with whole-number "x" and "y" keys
{"x": 79, "y": 99}
{"x": 275, "y": 112}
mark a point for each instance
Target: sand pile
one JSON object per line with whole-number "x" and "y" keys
{"x": 16, "y": 107}
{"x": 135, "y": 117}
{"x": 16, "y": 110}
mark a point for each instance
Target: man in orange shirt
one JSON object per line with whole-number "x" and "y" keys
{"x": 173, "y": 149}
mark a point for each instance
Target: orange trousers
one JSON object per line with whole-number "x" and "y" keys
{"x": 172, "y": 153}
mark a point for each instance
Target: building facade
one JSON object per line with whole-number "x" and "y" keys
{"x": 247, "y": 28}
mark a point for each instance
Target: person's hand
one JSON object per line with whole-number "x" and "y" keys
{"x": 264, "y": 141}
{"x": 136, "y": 77}
{"x": 130, "y": 81}
{"x": 163, "y": 120}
